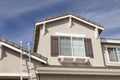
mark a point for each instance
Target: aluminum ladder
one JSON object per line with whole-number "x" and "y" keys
{"x": 25, "y": 62}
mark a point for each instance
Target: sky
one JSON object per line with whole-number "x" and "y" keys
{"x": 17, "y": 17}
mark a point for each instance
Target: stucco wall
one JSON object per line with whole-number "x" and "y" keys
{"x": 62, "y": 26}
{"x": 10, "y": 63}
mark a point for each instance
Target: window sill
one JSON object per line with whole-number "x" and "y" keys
{"x": 70, "y": 59}
{"x": 108, "y": 63}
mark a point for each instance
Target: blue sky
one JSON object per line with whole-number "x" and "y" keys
{"x": 17, "y": 16}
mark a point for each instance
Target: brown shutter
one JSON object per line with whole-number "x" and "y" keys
{"x": 54, "y": 46}
{"x": 88, "y": 48}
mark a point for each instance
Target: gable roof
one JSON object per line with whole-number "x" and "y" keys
{"x": 16, "y": 47}
{"x": 66, "y": 15}
{"x": 58, "y": 17}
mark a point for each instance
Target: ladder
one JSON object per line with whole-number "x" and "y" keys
{"x": 25, "y": 62}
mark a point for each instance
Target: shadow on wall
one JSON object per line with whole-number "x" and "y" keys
{"x": 3, "y": 54}
{"x": 88, "y": 64}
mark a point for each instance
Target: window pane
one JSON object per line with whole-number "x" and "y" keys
{"x": 78, "y": 47}
{"x": 112, "y": 54}
{"x": 65, "y": 46}
{"x": 118, "y": 51}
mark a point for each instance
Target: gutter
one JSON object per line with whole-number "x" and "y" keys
{"x": 78, "y": 71}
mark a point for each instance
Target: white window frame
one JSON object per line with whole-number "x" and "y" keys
{"x": 71, "y": 36}
{"x": 111, "y": 46}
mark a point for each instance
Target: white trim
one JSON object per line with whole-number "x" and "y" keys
{"x": 71, "y": 39}
{"x": 70, "y": 21}
{"x": 24, "y": 53}
{"x": 74, "y": 59}
{"x": 83, "y": 71}
{"x": 43, "y": 29}
{"x": 70, "y": 35}
{"x": 87, "y": 22}
{"x": 109, "y": 41}
{"x": 14, "y": 74}
{"x": 106, "y": 51}
{"x": 38, "y": 23}
{"x": 96, "y": 33}
{"x": 0, "y": 51}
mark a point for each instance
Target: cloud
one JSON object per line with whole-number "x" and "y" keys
{"x": 110, "y": 19}
{"x": 14, "y": 8}
{"x": 13, "y": 25}
{"x": 20, "y": 15}
{"x": 106, "y": 13}
{"x": 115, "y": 36}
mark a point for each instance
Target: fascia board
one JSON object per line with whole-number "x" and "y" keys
{"x": 82, "y": 71}
{"x": 38, "y": 23}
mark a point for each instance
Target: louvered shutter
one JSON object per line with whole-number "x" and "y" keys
{"x": 88, "y": 47}
{"x": 54, "y": 46}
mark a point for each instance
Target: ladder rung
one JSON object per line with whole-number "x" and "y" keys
{"x": 25, "y": 59}
{"x": 25, "y": 54}
{"x": 25, "y": 64}
{"x": 26, "y": 70}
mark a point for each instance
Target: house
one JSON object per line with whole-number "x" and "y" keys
{"x": 65, "y": 47}
{"x": 10, "y": 61}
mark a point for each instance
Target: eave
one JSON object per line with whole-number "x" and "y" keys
{"x": 110, "y": 41}
{"x": 15, "y": 47}
{"x": 78, "y": 71}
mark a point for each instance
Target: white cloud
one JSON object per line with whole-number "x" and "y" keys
{"x": 14, "y": 7}
{"x": 117, "y": 36}
{"x": 11, "y": 9}
{"x": 110, "y": 19}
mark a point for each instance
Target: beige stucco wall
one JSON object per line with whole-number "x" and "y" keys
{"x": 62, "y": 26}
{"x": 10, "y": 63}
{"x": 77, "y": 77}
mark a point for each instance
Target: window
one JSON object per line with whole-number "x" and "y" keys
{"x": 71, "y": 46}
{"x": 65, "y": 46}
{"x": 114, "y": 54}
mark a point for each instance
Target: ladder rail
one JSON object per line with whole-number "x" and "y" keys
{"x": 21, "y": 76}
{"x": 26, "y": 61}
{"x": 30, "y": 74}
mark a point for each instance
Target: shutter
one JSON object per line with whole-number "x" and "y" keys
{"x": 54, "y": 46}
{"x": 88, "y": 47}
